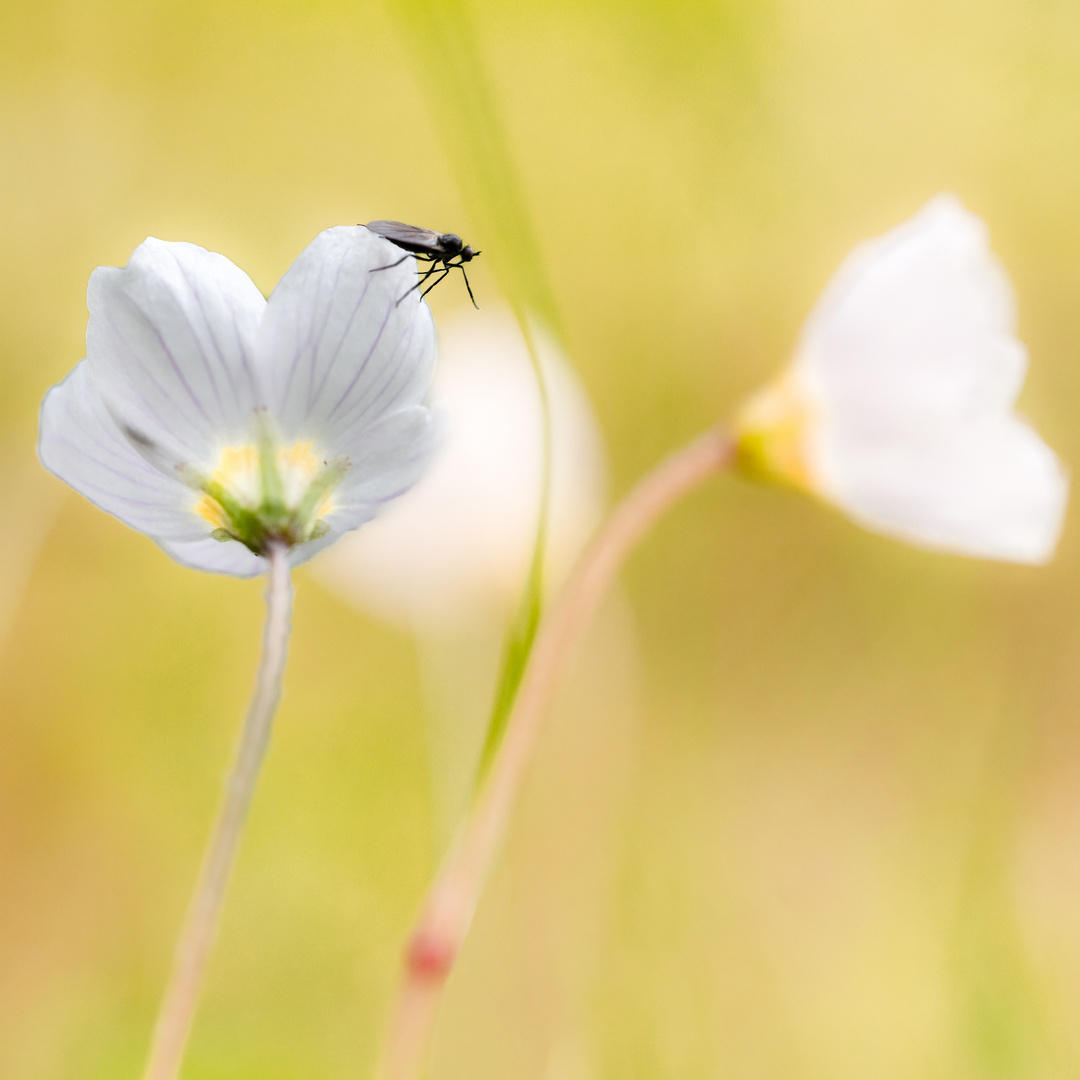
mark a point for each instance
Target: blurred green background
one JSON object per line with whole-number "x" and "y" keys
{"x": 826, "y": 826}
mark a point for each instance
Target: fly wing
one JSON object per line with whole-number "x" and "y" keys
{"x": 408, "y": 237}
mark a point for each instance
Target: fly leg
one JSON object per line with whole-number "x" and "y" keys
{"x": 421, "y": 279}
{"x": 461, "y": 267}
{"x": 445, "y": 271}
{"x": 389, "y": 266}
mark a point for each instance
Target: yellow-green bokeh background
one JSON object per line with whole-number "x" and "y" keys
{"x": 829, "y": 824}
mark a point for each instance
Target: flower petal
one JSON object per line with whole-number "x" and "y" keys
{"x": 993, "y": 489}
{"x": 233, "y": 558}
{"x": 915, "y": 331}
{"x": 171, "y": 343}
{"x": 386, "y": 461}
{"x": 899, "y": 406}
{"x": 215, "y": 557}
{"x": 80, "y": 443}
{"x": 456, "y": 551}
{"x": 337, "y": 349}
{"x": 302, "y": 552}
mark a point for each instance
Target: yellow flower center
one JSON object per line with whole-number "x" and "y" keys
{"x": 771, "y": 430}
{"x": 261, "y": 493}
{"x": 239, "y": 472}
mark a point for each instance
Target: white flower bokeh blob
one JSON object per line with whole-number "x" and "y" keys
{"x": 456, "y": 552}
{"x": 899, "y": 405}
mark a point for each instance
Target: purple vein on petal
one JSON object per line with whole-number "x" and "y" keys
{"x": 136, "y": 470}
{"x": 162, "y": 506}
{"x": 197, "y": 295}
{"x": 173, "y": 364}
{"x": 313, "y": 393}
{"x": 318, "y": 324}
{"x": 360, "y": 409}
{"x": 106, "y": 467}
{"x": 316, "y": 327}
{"x": 177, "y": 369}
{"x": 109, "y": 465}
{"x": 297, "y": 353}
{"x": 397, "y": 377}
{"x": 375, "y": 404}
{"x": 303, "y": 341}
{"x": 254, "y": 387}
{"x": 148, "y": 373}
{"x": 363, "y": 366}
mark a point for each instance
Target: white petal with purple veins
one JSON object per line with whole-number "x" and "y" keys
{"x": 81, "y": 444}
{"x": 386, "y": 462}
{"x": 340, "y": 351}
{"x": 456, "y": 552}
{"x": 171, "y": 341}
{"x": 221, "y": 425}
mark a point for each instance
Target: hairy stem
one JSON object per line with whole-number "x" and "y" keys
{"x": 196, "y": 940}
{"x": 448, "y": 911}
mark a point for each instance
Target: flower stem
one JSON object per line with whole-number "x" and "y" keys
{"x": 452, "y": 899}
{"x": 193, "y": 949}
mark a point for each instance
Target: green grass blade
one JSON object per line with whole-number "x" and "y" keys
{"x": 451, "y": 69}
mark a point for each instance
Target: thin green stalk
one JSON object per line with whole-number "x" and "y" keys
{"x": 197, "y": 938}
{"x": 522, "y": 633}
{"x": 451, "y": 68}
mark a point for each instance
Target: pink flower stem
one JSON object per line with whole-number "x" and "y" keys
{"x": 193, "y": 949}
{"x": 447, "y": 913}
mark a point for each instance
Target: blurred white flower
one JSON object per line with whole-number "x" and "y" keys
{"x": 898, "y": 407}
{"x": 456, "y": 552}
{"x": 218, "y": 422}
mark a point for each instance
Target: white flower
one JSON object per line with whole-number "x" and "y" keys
{"x": 456, "y": 552}
{"x": 898, "y": 407}
{"x": 218, "y": 422}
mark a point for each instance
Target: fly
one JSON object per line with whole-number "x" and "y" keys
{"x": 438, "y": 249}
